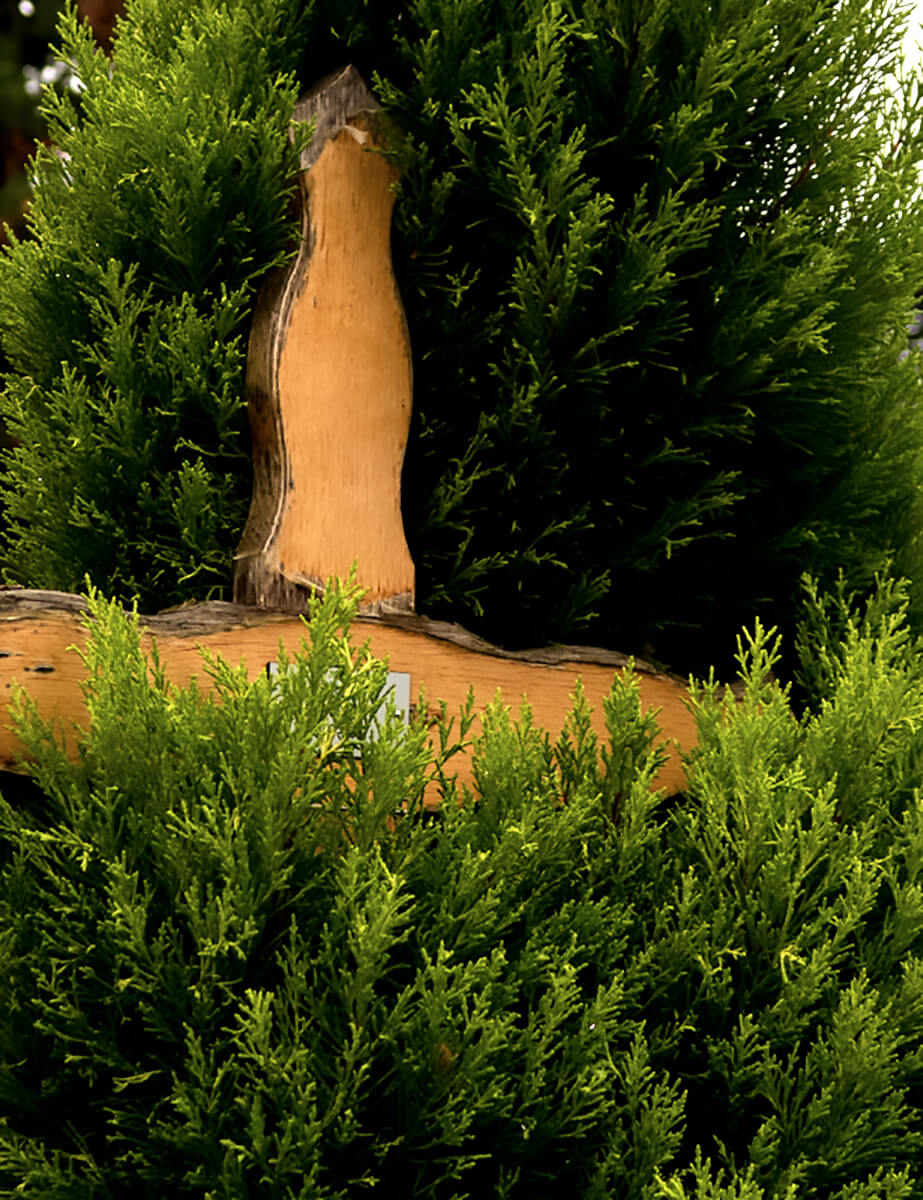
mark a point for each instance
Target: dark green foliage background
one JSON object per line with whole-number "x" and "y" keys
{"x": 23, "y": 40}
{"x": 657, "y": 261}
{"x": 223, "y": 972}
{"x": 125, "y": 315}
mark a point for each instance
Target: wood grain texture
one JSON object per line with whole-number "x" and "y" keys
{"x": 37, "y": 630}
{"x": 329, "y": 378}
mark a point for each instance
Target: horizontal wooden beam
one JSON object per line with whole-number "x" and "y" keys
{"x": 38, "y": 630}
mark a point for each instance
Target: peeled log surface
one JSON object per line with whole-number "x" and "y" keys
{"x": 329, "y": 378}
{"x": 38, "y": 630}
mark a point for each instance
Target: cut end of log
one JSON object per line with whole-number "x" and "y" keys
{"x": 330, "y": 104}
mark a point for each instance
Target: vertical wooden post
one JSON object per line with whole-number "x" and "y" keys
{"x": 329, "y": 377}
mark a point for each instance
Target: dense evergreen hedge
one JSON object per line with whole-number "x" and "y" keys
{"x": 227, "y": 969}
{"x": 160, "y": 207}
{"x": 657, "y": 259}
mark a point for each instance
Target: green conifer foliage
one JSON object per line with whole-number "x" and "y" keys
{"x": 657, "y": 260}
{"x": 228, "y": 967}
{"x": 124, "y": 316}
{"x": 675, "y": 245}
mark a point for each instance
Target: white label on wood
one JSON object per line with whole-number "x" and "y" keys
{"x": 397, "y": 689}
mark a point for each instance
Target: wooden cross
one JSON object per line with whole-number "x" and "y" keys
{"x": 329, "y": 384}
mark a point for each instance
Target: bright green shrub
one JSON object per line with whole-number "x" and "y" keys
{"x": 229, "y": 969}
{"x": 657, "y": 261}
{"x": 125, "y": 315}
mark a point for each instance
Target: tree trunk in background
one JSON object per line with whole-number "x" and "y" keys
{"x": 101, "y": 15}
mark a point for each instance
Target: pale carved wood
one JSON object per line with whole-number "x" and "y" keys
{"x": 39, "y": 630}
{"x": 329, "y": 377}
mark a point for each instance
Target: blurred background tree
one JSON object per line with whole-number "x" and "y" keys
{"x": 26, "y": 27}
{"x": 27, "y": 61}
